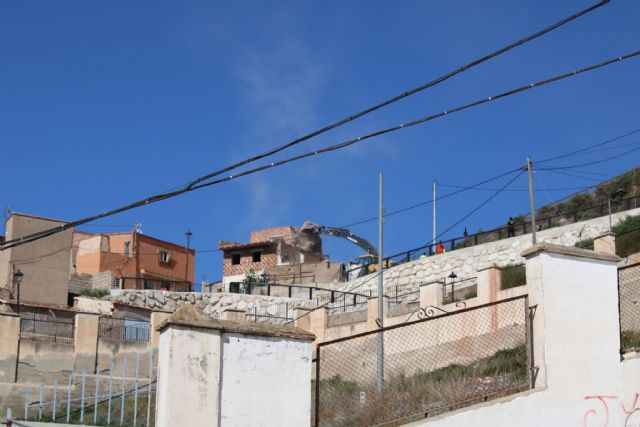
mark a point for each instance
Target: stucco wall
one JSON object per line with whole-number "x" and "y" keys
{"x": 45, "y": 263}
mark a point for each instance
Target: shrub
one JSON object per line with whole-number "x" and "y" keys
{"x": 94, "y": 293}
{"x": 513, "y": 276}
{"x": 630, "y": 340}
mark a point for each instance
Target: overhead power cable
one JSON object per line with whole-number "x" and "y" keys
{"x": 153, "y": 199}
{"x": 595, "y": 162}
{"x": 590, "y": 147}
{"x": 400, "y": 96}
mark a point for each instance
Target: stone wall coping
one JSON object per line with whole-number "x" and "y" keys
{"x": 568, "y": 250}
{"x": 191, "y": 316}
{"x": 489, "y": 267}
{"x": 233, "y": 310}
{"x": 9, "y": 314}
{"x": 607, "y": 234}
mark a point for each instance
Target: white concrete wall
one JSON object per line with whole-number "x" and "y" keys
{"x": 582, "y": 381}
{"x": 188, "y": 377}
{"x": 266, "y": 381}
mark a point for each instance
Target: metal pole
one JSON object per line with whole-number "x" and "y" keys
{"x": 124, "y": 374}
{"x": 149, "y": 388}
{"x": 40, "y": 404}
{"x": 26, "y": 403}
{"x": 186, "y": 268}
{"x": 380, "y": 346}
{"x": 135, "y": 391}
{"x": 96, "y": 393}
{"x": 609, "y": 206}
{"x": 69, "y": 397}
{"x": 433, "y": 231}
{"x": 110, "y": 393}
{"x": 531, "y": 203}
{"x": 84, "y": 380}
{"x": 55, "y": 400}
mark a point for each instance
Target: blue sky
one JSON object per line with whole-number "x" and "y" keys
{"x": 105, "y": 103}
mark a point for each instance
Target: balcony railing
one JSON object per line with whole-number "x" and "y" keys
{"x": 141, "y": 283}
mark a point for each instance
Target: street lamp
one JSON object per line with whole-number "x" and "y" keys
{"x": 452, "y": 278}
{"x": 619, "y": 192}
{"x": 17, "y": 279}
{"x": 188, "y": 234}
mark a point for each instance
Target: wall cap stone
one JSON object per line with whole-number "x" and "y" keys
{"x": 9, "y": 314}
{"x": 568, "y": 250}
{"x": 189, "y": 315}
{"x": 608, "y": 233}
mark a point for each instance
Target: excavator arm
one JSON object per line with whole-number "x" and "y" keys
{"x": 341, "y": 232}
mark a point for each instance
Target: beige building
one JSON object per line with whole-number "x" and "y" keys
{"x": 46, "y": 263}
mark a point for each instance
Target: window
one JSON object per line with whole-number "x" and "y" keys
{"x": 117, "y": 283}
{"x": 235, "y": 259}
{"x": 256, "y": 256}
{"x": 234, "y": 287}
{"x": 127, "y": 249}
{"x": 164, "y": 256}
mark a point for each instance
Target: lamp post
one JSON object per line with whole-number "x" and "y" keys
{"x": 452, "y": 278}
{"x": 188, "y": 234}
{"x": 619, "y": 192}
{"x": 17, "y": 279}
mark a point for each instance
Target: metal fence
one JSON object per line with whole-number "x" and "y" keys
{"x": 520, "y": 228}
{"x": 414, "y": 370}
{"x": 42, "y": 327}
{"x": 123, "y": 329}
{"x": 112, "y": 397}
{"x": 272, "y": 313}
{"x": 629, "y": 303}
{"x": 141, "y": 283}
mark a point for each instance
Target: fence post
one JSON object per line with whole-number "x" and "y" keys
{"x": 157, "y": 317}
{"x": 10, "y": 339}
{"x": 86, "y": 342}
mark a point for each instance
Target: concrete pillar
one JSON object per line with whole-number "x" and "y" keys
{"x": 157, "y": 317}
{"x": 605, "y": 243}
{"x": 431, "y": 295}
{"x": 234, "y": 315}
{"x": 212, "y": 373}
{"x": 86, "y": 342}
{"x": 489, "y": 284}
{"x": 574, "y": 292}
{"x": 302, "y": 318}
{"x": 9, "y": 342}
{"x": 318, "y": 324}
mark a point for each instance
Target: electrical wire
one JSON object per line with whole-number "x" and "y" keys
{"x": 403, "y": 95}
{"x": 35, "y": 236}
{"x": 582, "y": 150}
{"x": 595, "y": 162}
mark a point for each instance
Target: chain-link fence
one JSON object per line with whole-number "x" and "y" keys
{"x": 629, "y": 294}
{"x": 423, "y": 368}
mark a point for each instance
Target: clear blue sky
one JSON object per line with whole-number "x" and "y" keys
{"x": 102, "y": 103}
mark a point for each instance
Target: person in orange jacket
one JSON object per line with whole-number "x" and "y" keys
{"x": 440, "y": 248}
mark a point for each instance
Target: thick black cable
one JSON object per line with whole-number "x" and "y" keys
{"x": 589, "y": 148}
{"x": 157, "y": 198}
{"x": 400, "y": 96}
{"x": 595, "y": 162}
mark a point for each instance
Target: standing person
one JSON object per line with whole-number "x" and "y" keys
{"x": 511, "y": 227}
{"x": 440, "y": 248}
{"x": 423, "y": 256}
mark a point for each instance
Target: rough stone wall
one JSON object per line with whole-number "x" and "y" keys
{"x": 466, "y": 262}
{"x": 212, "y": 304}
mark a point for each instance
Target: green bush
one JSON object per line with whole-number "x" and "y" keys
{"x": 513, "y": 276}
{"x": 94, "y": 293}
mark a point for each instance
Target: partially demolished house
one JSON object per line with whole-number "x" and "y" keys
{"x": 282, "y": 255}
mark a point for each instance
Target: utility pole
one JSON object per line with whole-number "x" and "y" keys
{"x": 188, "y": 235}
{"x": 380, "y": 346}
{"x": 531, "y": 203}
{"x": 433, "y": 239}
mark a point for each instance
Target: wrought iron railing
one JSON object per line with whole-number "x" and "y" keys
{"x": 444, "y": 361}
{"x": 123, "y": 329}
{"x": 42, "y": 327}
{"x": 141, "y": 283}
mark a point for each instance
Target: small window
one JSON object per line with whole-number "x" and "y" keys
{"x": 127, "y": 249}
{"x": 164, "y": 256}
{"x": 235, "y": 259}
{"x": 117, "y": 283}
{"x": 256, "y": 256}
{"x": 234, "y": 287}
